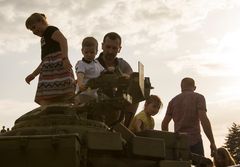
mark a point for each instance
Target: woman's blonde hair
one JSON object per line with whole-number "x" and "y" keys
{"x": 226, "y": 157}
{"x": 34, "y": 18}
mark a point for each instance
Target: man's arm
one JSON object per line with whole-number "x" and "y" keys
{"x": 165, "y": 122}
{"x": 206, "y": 125}
{"x": 124, "y": 66}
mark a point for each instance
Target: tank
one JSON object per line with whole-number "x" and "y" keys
{"x": 92, "y": 134}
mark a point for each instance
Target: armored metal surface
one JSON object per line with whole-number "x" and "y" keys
{"x": 92, "y": 134}
{"x": 174, "y": 163}
{"x": 176, "y": 145}
{"x": 40, "y": 150}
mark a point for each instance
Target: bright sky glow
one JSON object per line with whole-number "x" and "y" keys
{"x": 172, "y": 38}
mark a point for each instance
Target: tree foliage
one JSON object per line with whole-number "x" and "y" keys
{"x": 232, "y": 142}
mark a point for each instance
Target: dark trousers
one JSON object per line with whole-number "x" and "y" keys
{"x": 197, "y": 148}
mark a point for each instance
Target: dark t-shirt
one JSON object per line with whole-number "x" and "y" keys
{"x": 183, "y": 109}
{"x": 119, "y": 63}
{"x": 48, "y": 45}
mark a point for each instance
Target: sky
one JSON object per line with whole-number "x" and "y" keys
{"x": 172, "y": 38}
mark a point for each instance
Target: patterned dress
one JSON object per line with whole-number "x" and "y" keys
{"x": 56, "y": 84}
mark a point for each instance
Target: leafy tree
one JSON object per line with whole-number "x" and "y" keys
{"x": 233, "y": 142}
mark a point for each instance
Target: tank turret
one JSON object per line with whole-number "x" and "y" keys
{"x": 92, "y": 134}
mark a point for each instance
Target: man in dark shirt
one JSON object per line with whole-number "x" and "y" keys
{"x": 187, "y": 110}
{"x": 111, "y": 46}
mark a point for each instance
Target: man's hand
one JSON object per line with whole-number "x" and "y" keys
{"x": 213, "y": 149}
{"x": 111, "y": 69}
{"x": 125, "y": 76}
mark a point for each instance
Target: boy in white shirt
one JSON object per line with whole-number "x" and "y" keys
{"x": 86, "y": 69}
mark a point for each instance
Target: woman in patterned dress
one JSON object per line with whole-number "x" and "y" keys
{"x": 56, "y": 80}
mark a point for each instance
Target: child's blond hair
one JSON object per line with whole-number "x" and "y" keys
{"x": 90, "y": 42}
{"x": 154, "y": 99}
{"x": 34, "y": 18}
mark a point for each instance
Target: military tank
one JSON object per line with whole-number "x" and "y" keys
{"x": 92, "y": 134}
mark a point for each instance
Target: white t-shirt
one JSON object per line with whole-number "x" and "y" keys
{"x": 90, "y": 70}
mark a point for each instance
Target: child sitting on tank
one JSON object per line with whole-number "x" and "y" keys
{"x": 144, "y": 119}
